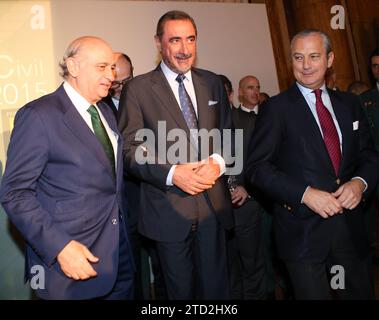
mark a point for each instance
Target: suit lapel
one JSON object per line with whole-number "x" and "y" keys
{"x": 111, "y": 120}
{"x": 163, "y": 91}
{"x": 202, "y": 97}
{"x": 80, "y": 129}
{"x": 344, "y": 122}
{"x": 309, "y": 126}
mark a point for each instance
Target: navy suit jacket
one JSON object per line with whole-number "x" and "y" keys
{"x": 58, "y": 186}
{"x": 287, "y": 153}
{"x": 166, "y": 213}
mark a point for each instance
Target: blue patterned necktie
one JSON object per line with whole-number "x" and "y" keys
{"x": 101, "y": 134}
{"x": 186, "y": 104}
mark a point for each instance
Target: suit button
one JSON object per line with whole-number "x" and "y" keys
{"x": 285, "y": 206}
{"x": 114, "y": 221}
{"x": 338, "y": 181}
{"x": 289, "y": 208}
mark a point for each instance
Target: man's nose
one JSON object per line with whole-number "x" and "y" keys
{"x": 184, "y": 47}
{"x": 306, "y": 64}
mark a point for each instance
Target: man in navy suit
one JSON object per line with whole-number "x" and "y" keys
{"x": 63, "y": 183}
{"x": 311, "y": 153}
{"x": 186, "y": 205}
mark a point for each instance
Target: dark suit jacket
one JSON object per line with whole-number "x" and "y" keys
{"x": 166, "y": 213}
{"x": 108, "y": 100}
{"x": 370, "y": 104}
{"x": 245, "y": 121}
{"x": 287, "y": 154}
{"x": 58, "y": 186}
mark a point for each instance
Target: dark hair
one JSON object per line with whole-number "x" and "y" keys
{"x": 307, "y": 32}
{"x": 173, "y": 15}
{"x": 375, "y": 53}
{"x": 130, "y": 61}
{"x": 227, "y": 83}
{"x": 357, "y": 86}
{"x": 371, "y": 77}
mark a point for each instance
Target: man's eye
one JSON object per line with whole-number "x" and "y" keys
{"x": 298, "y": 58}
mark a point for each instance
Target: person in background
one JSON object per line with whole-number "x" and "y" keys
{"x": 263, "y": 96}
{"x": 370, "y": 104}
{"x": 357, "y": 87}
{"x": 229, "y": 88}
{"x": 124, "y": 72}
{"x": 246, "y": 256}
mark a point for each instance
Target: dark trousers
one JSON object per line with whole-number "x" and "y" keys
{"x": 245, "y": 254}
{"x": 123, "y": 288}
{"x": 312, "y": 280}
{"x": 195, "y": 268}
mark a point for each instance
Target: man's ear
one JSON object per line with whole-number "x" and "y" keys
{"x": 330, "y": 59}
{"x": 72, "y": 67}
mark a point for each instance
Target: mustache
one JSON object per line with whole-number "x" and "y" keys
{"x": 183, "y": 56}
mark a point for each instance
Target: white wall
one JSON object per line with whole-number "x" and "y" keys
{"x": 234, "y": 39}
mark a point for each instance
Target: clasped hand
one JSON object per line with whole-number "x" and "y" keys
{"x": 326, "y": 204}
{"x": 196, "y": 177}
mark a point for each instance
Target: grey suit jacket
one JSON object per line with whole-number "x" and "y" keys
{"x": 166, "y": 213}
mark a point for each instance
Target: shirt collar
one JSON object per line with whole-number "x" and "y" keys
{"x": 306, "y": 91}
{"x": 171, "y": 75}
{"x": 255, "y": 109}
{"x": 76, "y": 98}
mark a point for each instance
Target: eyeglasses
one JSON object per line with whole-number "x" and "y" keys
{"x": 121, "y": 82}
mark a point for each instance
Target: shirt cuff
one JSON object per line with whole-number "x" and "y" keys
{"x": 170, "y": 175}
{"x": 302, "y": 198}
{"x": 363, "y": 180}
{"x": 221, "y": 162}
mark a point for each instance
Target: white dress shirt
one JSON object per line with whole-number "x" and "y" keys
{"x": 82, "y": 105}
{"x": 310, "y": 98}
{"x": 188, "y": 84}
{"x": 255, "y": 109}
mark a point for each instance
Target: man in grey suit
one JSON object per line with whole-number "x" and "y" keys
{"x": 63, "y": 186}
{"x": 184, "y": 204}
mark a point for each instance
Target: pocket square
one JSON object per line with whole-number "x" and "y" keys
{"x": 355, "y": 125}
{"x": 212, "y": 103}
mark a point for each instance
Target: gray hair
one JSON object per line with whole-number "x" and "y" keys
{"x": 72, "y": 50}
{"x": 326, "y": 40}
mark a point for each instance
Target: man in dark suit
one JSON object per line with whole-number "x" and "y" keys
{"x": 370, "y": 105}
{"x": 124, "y": 73}
{"x": 63, "y": 186}
{"x": 184, "y": 202}
{"x": 311, "y": 153}
{"x": 247, "y": 268}
{"x": 370, "y": 99}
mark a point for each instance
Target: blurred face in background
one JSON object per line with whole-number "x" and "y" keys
{"x": 375, "y": 67}
{"x": 248, "y": 91}
{"x": 124, "y": 73}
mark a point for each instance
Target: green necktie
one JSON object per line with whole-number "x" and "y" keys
{"x": 101, "y": 134}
